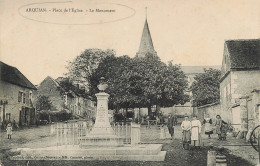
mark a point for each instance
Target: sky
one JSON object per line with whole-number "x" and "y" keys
{"x": 190, "y": 32}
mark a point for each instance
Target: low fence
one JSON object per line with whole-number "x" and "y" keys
{"x": 123, "y": 132}
{"x": 69, "y": 133}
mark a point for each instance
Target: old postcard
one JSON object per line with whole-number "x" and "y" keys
{"x": 129, "y": 82}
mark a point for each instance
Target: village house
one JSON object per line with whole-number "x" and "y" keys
{"x": 16, "y": 96}
{"x": 239, "y": 87}
{"x": 80, "y": 104}
{"x": 240, "y": 74}
{"x": 57, "y": 95}
{"x": 65, "y": 100}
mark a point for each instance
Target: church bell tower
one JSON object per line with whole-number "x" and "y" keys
{"x": 146, "y": 44}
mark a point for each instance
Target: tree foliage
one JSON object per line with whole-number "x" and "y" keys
{"x": 116, "y": 72}
{"x": 68, "y": 86}
{"x": 205, "y": 88}
{"x": 132, "y": 82}
{"x": 82, "y": 67}
{"x": 140, "y": 82}
{"x": 44, "y": 103}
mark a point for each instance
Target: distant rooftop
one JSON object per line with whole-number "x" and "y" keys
{"x": 197, "y": 69}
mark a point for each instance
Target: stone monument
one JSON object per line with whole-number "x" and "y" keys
{"x": 102, "y": 132}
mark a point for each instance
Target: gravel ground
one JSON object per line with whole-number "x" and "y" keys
{"x": 40, "y": 137}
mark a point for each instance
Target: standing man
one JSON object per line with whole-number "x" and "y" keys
{"x": 195, "y": 132}
{"x": 170, "y": 125}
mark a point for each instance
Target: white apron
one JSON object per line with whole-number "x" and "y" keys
{"x": 195, "y": 130}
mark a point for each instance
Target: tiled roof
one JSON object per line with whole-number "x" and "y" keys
{"x": 244, "y": 54}
{"x": 54, "y": 81}
{"x": 14, "y": 76}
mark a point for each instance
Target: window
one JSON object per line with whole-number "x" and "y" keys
{"x": 30, "y": 95}
{"x": 8, "y": 116}
{"x": 23, "y": 97}
{"x": 20, "y": 96}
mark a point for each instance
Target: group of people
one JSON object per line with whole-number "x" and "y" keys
{"x": 191, "y": 130}
{"x": 220, "y": 125}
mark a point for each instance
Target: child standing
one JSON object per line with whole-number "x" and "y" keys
{"x": 9, "y": 130}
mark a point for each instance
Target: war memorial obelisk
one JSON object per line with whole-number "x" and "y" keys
{"x": 102, "y": 132}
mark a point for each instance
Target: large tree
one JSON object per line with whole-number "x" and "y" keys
{"x": 44, "y": 103}
{"x": 162, "y": 84}
{"x": 205, "y": 88}
{"x": 82, "y": 67}
{"x": 133, "y": 82}
{"x": 141, "y": 82}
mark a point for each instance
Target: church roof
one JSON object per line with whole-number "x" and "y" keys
{"x": 146, "y": 44}
{"x": 244, "y": 54}
{"x": 12, "y": 75}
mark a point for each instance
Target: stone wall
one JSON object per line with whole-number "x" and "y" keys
{"x": 213, "y": 110}
{"x": 183, "y": 109}
{"x": 175, "y": 110}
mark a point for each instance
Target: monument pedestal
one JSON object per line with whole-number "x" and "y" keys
{"x": 102, "y": 132}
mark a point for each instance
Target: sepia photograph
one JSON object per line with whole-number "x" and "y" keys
{"x": 129, "y": 82}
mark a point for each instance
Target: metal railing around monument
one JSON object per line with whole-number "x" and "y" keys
{"x": 69, "y": 133}
{"x": 123, "y": 132}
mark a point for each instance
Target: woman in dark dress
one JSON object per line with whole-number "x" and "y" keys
{"x": 218, "y": 125}
{"x": 208, "y": 125}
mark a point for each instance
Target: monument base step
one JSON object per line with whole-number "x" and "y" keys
{"x": 148, "y": 152}
{"x": 102, "y": 141}
{"x": 157, "y": 157}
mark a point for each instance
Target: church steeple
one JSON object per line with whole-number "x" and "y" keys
{"x": 146, "y": 44}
